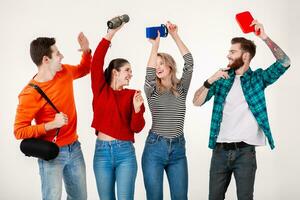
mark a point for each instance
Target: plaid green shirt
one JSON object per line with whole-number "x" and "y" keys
{"x": 253, "y": 86}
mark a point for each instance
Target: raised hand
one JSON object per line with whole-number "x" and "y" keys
{"x": 111, "y": 32}
{"x": 259, "y": 29}
{"x": 173, "y": 31}
{"x": 154, "y": 50}
{"x": 83, "y": 42}
{"x": 155, "y": 42}
{"x": 172, "y": 28}
{"x": 137, "y": 101}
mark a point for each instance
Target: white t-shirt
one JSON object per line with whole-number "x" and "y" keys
{"x": 238, "y": 123}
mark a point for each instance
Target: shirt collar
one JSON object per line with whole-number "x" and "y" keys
{"x": 249, "y": 71}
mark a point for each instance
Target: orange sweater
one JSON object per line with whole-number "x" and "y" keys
{"x": 60, "y": 91}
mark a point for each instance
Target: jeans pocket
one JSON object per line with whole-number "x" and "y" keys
{"x": 126, "y": 150}
{"x": 249, "y": 156}
{"x": 151, "y": 140}
{"x": 251, "y": 153}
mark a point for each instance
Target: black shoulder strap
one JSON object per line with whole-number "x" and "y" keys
{"x": 44, "y": 95}
{"x": 49, "y": 101}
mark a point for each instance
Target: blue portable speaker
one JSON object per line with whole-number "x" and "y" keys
{"x": 151, "y": 32}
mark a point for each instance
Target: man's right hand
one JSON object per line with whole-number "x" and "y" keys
{"x": 60, "y": 120}
{"x": 221, "y": 73}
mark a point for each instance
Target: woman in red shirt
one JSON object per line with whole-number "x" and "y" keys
{"x": 118, "y": 115}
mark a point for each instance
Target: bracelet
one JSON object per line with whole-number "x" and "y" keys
{"x": 206, "y": 84}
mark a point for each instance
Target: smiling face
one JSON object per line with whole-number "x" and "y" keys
{"x": 241, "y": 53}
{"x": 55, "y": 60}
{"x": 122, "y": 76}
{"x": 166, "y": 73}
{"x": 162, "y": 70}
{"x": 235, "y": 56}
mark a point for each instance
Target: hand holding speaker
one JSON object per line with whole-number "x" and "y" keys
{"x": 117, "y": 21}
{"x": 259, "y": 28}
{"x": 248, "y": 24}
{"x": 151, "y": 32}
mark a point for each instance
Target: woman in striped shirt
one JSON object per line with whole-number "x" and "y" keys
{"x": 165, "y": 144}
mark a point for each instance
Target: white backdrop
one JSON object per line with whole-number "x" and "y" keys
{"x": 206, "y": 27}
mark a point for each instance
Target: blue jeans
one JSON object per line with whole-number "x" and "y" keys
{"x": 165, "y": 154}
{"x": 242, "y": 163}
{"x": 115, "y": 161}
{"x": 68, "y": 166}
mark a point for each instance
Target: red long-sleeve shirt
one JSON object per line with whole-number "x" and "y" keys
{"x": 114, "y": 112}
{"x": 60, "y": 91}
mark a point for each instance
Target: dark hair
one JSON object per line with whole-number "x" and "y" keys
{"x": 114, "y": 64}
{"x": 41, "y": 47}
{"x": 246, "y": 45}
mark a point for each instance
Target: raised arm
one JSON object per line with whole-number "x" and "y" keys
{"x": 150, "y": 82}
{"x": 187, "y": 56}
{"x": 173, "y": 31}
{"x": 84, "y": 67}
{"x": 277, "y": 69}
{"x": 154, "y": 50}
{"x": 97, "y": 76}
{"x": 276, "y": 50}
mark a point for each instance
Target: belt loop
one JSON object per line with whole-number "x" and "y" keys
{"x": 221, "y": 146}
{"x": 235, "y": 145}
{"x": 157, "y": 137}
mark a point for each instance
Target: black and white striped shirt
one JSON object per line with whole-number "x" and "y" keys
{"x": 168, "y": 110}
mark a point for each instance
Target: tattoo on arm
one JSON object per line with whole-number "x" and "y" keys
{"x": 278, "y": 52}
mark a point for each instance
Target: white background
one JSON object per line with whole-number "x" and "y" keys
{"x": 206, "y": 27}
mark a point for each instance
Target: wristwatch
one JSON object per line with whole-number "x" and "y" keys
{"x": 206, "y": 84}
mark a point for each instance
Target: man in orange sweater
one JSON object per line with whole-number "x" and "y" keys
{"x": 56, "y": 80}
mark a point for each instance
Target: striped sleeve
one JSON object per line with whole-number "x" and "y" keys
{"x": 150, "y": 82}
{"x": 187, "y": 71}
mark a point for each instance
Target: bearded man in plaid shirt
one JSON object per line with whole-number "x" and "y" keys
{"x": 239, "y": 119}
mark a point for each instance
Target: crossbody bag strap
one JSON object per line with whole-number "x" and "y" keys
{"x": 49, "y": 101}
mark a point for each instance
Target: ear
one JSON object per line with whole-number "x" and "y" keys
{"x": 246, "y": 57}
{"x": 45, "y": 59}
{"x": 114, "y": 72}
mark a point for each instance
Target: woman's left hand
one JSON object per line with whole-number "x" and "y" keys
{"x": 172, "y": 28}
{"x": 137, "y": 101}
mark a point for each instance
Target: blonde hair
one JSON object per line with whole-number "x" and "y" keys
{"x": 170, "y": 62}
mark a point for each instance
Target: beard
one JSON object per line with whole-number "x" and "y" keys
{"x": 237, "y": 63}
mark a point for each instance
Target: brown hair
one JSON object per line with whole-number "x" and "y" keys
{"x": 114, "y": 64}
{"x": 246, "y": 45}
{"x": 41, "y": 47}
